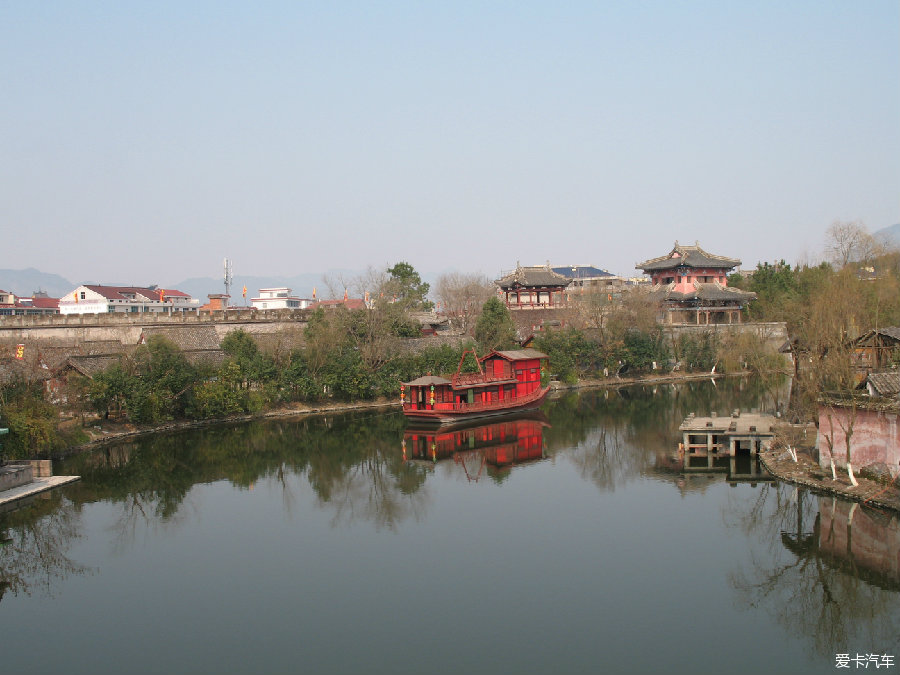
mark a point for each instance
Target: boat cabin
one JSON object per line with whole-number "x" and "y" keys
{"x": 505, "y": 378}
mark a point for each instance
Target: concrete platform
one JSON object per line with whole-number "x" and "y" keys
{"x": 8, "y": 498}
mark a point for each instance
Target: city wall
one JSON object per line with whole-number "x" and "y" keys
{"x": 127, "y": 328}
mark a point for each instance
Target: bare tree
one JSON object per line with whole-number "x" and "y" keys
{"x": 849, "y": 242}
{"x": 462, "y": 296}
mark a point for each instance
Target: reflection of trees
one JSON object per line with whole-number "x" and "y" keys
{"x": 810, "y": 580}
{"x": 34, "y": 545}
{"x": 351, "y": 462}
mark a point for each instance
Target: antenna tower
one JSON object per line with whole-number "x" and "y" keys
{"x": 229, "y": 276}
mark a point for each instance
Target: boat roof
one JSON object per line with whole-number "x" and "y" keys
{"x": 427, "y": 380}
{"x": 518, "y": 354}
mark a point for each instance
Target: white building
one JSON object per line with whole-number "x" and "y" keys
{"x": 279, "y": 298}
{"x": 91, "y": 299}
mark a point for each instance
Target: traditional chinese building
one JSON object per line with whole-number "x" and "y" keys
{"x": 533, "y": 287}
{"x": 692, "y": 286}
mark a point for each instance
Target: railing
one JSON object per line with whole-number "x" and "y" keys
{"x": 478, "y": 406}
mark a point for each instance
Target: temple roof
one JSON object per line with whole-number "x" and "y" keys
{"x": 688, "y": 256}
{"x": 537, "y": 276}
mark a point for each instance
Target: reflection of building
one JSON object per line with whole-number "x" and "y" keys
{"x": 501, "y": 444}
{"x": 855, "y": 539}
{"x": 692, "y": 286}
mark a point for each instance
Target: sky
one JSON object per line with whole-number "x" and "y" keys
{"x": 146, "y": 141}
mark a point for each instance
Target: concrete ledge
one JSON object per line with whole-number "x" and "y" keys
{"x": 8, "y": 498}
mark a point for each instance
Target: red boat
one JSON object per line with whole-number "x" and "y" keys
{"x": 506, "y": 382}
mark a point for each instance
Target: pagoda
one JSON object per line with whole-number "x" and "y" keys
{"x": 692, "y": 286}
{"x": 533, "y": 287}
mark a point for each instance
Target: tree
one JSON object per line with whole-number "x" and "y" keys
{"x": 495, "y": 328}
{"x": 849, "y": 242}
{"x": 462, "y": 296}
{"x": 404, "y": 285}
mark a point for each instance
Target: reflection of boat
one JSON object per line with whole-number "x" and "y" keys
{"x": 506, "y": 381}
{"x": 500, "y": 444}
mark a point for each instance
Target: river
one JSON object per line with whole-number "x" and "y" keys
{"x": 569, "y": 542}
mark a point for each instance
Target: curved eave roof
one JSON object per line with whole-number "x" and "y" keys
{"x": 688, "y": 256}
{"x": 532, "y": 277}
{"x": 703, "y": 291}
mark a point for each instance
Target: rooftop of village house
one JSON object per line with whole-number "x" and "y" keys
{"x": 687, "y": 256}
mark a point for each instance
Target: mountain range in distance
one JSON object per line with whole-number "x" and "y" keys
{"x": 26, "y": 282}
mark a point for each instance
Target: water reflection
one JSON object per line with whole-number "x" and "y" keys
{"x": 830, "y": 571}
{"x": 826, "y": 571}
{"x": 34, "y": 546}
{"x": 497, "y": 446}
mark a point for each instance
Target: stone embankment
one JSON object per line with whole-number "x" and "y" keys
{"x": 807, "y": 473}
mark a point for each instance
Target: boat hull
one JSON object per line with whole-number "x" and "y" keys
{"x": 431, "y": 418}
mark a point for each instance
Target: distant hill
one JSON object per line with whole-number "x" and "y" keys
{"x": 25, "y": 282}
{"x": 890, "y": 235}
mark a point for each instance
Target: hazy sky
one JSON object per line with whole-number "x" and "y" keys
{"x": 145, "y": 141}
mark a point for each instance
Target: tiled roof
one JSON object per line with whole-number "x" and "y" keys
{"x": 90, "y": 366}
{"x": 690, "y": 256}
{"x": 427, "y": 380}
{"x": 582, "y": 272}
{"x": 532, "y": 277}
{"x": 703, "y": 291}
{"x": 520, "y": 354}
{"x": 45, "y": 303}
{"x": 141, "y": 293}
{"x": 884, "y": 384}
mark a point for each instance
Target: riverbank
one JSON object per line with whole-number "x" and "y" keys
{"x": 807, "y": 473}
{"x": 103, "y": 432}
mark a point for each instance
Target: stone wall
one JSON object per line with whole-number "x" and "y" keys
{"x": 127, "y": 328}
{"x": 875, "y": 438}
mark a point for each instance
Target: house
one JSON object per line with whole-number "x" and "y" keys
{"x": 98, "y": 299}
{"x": 38, "y": 303}
{"x": 868, "y": 425}
{"x": 691, "y": 286}
{"x": 533, "y": 287}
{"x": 878, "y": 349}
{"x": 279, "y": 298}
{"x": 882, "y": 385}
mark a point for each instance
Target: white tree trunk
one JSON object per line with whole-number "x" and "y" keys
{"x": 850, "y": 473}
{"x": 833, "y": 470}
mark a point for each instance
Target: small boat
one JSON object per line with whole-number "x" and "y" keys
{"x": 506, "y": 382}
